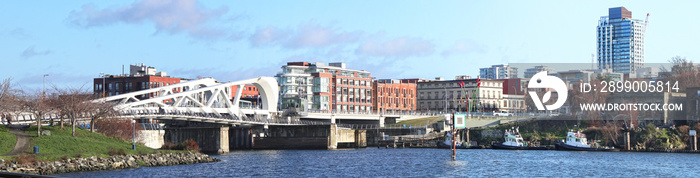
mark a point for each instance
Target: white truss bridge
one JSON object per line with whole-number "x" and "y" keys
{"x": 203, "y": 100}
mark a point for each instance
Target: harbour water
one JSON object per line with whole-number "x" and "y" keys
{"x": 373, "y": 162}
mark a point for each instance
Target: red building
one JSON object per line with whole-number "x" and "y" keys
{"x": 140, "y": 77}
{"x": 394, "y": 95}
{"x": 116, "y": 85}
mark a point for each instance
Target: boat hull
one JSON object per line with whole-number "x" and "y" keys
{"x": 562, "y": 146}
{"x": 507, "y": 147}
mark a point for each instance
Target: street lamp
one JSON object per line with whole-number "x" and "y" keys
{"x": 133, "y": 127}
{"x": 43, "y": 92}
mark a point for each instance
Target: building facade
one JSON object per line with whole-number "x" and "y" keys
{"x": 141, "y": 77}
{"x": 319, "y": 87}
{"x": 447, "y": 95}
{"x": 620, "y": 41}
{"x": 502, "y": 71}
{"x": 537, "y": 69}
{"x": 393, "y": 96}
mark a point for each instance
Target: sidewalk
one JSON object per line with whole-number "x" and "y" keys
{"x": 22, "y": 143}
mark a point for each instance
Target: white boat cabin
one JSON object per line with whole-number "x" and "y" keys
{"x": 577, "y": 139}
{"x": 512, "y": 138}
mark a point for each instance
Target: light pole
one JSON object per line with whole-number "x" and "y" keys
{"x": 133, "y": 127}
{"x": 43, "y": 91}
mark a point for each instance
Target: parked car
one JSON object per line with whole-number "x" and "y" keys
{"x": 502, "y": 113}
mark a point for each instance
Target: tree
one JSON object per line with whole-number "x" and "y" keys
{"x": 684, "y": 72}
{"x": 6, "y": 99}
{"x": 594, "y": 96}
{"x": 100, "y": 110}
{"x": 73, "y": 103}
{"x": 38, "y": 106}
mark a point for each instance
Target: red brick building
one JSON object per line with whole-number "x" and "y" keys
{"x": 394, "y": 95}
{"x": 115, "y": 85}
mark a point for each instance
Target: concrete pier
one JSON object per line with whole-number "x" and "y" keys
{"x": 209, "y": 139}
{"x": 310, "y": 137}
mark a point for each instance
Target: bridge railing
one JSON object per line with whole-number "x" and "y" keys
{"x": 416, "y": 113}
{"x": 387, "y": 126}
{"x": 212, "y": 116}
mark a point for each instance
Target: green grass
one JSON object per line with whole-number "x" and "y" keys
{"x": 62, "y": 144}
{"x": 7, "y": 140}
{"x": 421, "y": 121}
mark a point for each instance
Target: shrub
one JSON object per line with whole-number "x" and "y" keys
{"x": 190, "y": 145}
{"x": 116, "y": 127}
{"x": 168, "y": 146}
{"x": 25, "y": 159}
{"x": 186, "y": 145}
{"x": 113, "y": 152}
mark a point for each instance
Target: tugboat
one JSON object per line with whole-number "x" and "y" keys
{"x": 513, "y": 141}
{"x": 578, "y": 142}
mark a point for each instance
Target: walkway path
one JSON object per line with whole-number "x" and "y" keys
{"x": 22, "y": 143}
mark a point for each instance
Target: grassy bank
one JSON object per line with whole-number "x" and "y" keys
{"x": 61, "y": 144}
{"x": 7, "y": 140}
{"x": 421, "y": 121}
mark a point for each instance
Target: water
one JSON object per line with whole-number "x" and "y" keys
{"x": 373, "y": 162}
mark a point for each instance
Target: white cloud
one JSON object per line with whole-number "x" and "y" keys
{"x": 462, "y": 47}
{"x": 173, "y": 16}
{"x": 310, "y": 35}
{"x": 31, "y": 52}
{"x": 398, "y": 47}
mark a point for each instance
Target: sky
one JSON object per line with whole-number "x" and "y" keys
{"x": 74, "y": 41}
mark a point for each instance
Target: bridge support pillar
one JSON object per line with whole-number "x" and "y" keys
{"x": 333, "y": 118}
{"x": 626, "y": 137}
{"x": 381, "y": 121}
{"x": 209, "y": 139}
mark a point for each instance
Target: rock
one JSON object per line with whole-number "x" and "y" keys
{"x": 46, "y": 132}
{"x": 116, "y": 165}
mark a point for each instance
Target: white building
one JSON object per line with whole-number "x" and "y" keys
{"x": 502, "y": 71}
{"x": 532, "y": 71}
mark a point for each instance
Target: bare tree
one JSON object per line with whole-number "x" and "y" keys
{"x": 73, "y": 103}
{"x": 684, "y": 71}
{"x": 38, "y": 106}
{"x": 100, "y": 110}
{"x": 594, "y": 96}
{"x": 6, "y": 99}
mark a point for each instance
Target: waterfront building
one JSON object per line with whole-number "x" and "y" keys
{"x": 316, "y": 86}
{"x": 502, "y": 71}
{"x": 620, "y": 41}
{"x": 143, "y": 77}
{"x": 394, "y": 96}
{"x": 532, "y": 71}
{"x": 447, "y": 95}
{"x": 140, "y": 77}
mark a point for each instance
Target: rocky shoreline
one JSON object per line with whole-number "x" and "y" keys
{"x": 112, "y": 163}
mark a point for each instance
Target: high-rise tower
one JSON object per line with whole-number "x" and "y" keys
{"x": 620, "y": 41}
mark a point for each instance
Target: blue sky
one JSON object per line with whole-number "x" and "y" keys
{"x": 73, "y": 41}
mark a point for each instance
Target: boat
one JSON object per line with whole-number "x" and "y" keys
{"x": 577, "y": 141}
{"x": 513, "y": 141}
